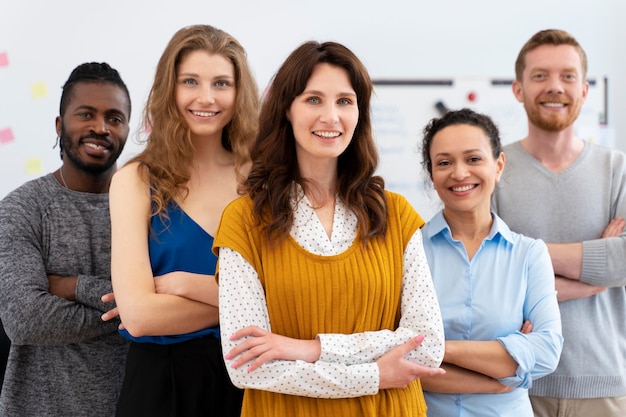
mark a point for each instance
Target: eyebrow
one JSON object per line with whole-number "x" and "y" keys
{"x": 319, "y": 93}
{"x": 469, "y": 151}
{"x": 95, "y": 110}
{"x": 193, "y": 74}
{"x": 568, "y": 69}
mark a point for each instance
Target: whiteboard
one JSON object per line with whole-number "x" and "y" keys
{"x": 401, "y": 109}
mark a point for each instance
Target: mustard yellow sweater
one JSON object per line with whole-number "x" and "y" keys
{"x": 355, "y": 291}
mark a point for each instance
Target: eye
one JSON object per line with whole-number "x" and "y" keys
{"x": 474, "y": 159}
{"x": 443, "y": 163}
{"x": 116, "y": 119}
{"x": 188, "y": 81}
{"x": 570, "y": 77}
{"x": 538, "y": 76}
{"x": 84, "y": 115}
{"x": 222, "y": 83}
{"x": 313, "y": 100}
{"x": 345, "y": 101}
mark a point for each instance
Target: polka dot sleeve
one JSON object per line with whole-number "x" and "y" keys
{"x": 420, "y": 316}
{"x": 242, "y": 303}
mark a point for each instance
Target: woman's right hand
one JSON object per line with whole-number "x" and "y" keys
{"x": 398, "y": 372}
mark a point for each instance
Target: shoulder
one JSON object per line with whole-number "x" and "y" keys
{"x": 129, "y": 180}
{"x": 520, "y": 242}
{"x": 241, "y": 207}
{"x": 129, "y": 193}
{"x": 514, "y": 151}
{"x": 398, "y": 204}
{"x": 606, "y": 153}
{"x": 237, "y": 225}
{"x": 37, "y": 192}
{"x": 396, "y": 201}
{"x": 129, "y": 173}
{"x": 402, "y": 218}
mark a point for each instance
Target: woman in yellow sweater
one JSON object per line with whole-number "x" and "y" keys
{"x": 327, "y": 306}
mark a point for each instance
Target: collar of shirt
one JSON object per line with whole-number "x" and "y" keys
{"x": 309, "y": 233}
{"x": 438, "y": 224}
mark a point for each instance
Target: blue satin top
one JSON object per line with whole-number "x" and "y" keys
{"x": 178, "y": 244}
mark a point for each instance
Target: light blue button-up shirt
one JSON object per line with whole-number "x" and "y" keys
{"x": 510, "y": 279}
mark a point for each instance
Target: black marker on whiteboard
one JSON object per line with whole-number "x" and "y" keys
{"x": 441, "y": 108}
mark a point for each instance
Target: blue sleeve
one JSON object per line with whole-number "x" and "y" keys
{"x": 537, "y": 354}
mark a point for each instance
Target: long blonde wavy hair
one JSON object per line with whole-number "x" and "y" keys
{"x": 169, "y": 149}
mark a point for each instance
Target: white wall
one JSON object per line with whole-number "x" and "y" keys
{"x": 45, "y": 40}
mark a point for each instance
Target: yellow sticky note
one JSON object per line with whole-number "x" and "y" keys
{"x": 33, "y": 166}
{"x": 39, "y": 90}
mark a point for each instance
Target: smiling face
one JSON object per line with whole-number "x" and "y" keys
{"x": 324, "y": 116}
{"x": 464, "y": 170}
{"x": 94, "y": 126}
{"x": 553, "y": 88}
{"x": 206, "y": 93}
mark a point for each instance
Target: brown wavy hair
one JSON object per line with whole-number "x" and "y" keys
{"x": 169, "y": 149}
{"x": 275, "y": 166}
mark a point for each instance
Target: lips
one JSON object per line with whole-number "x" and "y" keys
{"x": 463, "y": 188}
{"x": 326, "y": 134}
{"x": 96, "y": 146}
{"x": 553, "y": 102}
{"x": 204, "y": 113}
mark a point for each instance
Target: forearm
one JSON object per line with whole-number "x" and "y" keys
{"x": 567, "y": 259}
{"x": 366, "y": 347}
{"x": 197, "y": 287}
{"x": 90, "y": 289}
{"x": 165, "y": 314}
{"x": 457, "y": 380}
{"x": 49, "y": 320}
{"x": 40, "y": 310}
{"x": 486, "y": 357}
{"x": 568, "y": 289}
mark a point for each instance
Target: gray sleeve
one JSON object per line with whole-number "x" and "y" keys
{"x": 89, "y": 290}
{"x": 603, "y": 262}
{"x": 603, "y": 259}
{"x": 30, "y": 314}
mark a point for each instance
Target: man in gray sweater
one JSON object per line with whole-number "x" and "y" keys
{"x": 55, "y": 233}
{"x": 572, "y": 194}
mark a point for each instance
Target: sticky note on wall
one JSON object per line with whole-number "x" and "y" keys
{"x": 4, "y": 59}
{"x": 39, "y": 90}
{"x": 6, "y": 136}
{"x": 33, "y": 165}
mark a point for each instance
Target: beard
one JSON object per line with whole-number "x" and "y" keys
{"x": 554, "y": 122}
{"x": 69, "y": 148}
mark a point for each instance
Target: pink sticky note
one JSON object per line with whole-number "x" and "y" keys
{"x": 4, "y": 59}
{"x": 6, "y": 136}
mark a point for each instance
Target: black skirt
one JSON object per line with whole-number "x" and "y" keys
{"x": 179, "y": 380}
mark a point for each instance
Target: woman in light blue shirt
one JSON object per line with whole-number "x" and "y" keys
{"x": 489, "y": 280}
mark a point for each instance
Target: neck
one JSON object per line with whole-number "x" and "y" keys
{"x": 79, "y": 180}
{"x": 322, "y": 176}
{"x": 208, "y": 151}
{"x": 468, "y": 225}
{"x": 555, "y": 150}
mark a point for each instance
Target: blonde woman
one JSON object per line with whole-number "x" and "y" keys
{"x": 166, "y": 204}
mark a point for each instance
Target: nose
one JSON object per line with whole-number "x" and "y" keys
{"x": 206, "y": 96}
{"x": 101, "y": 126}
{"x": 459, "y": 172}
{"x": 555, "y": 85}
{"x": 329, "y": 114}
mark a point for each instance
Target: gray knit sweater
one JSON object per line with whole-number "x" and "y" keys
{"x": 575, "y": 206}
{"x": 64, "y": 360}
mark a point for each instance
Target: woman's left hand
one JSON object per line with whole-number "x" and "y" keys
{"x": 263, "y": 346}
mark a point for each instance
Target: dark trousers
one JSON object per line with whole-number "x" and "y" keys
{"x": 5, "y": 345}
{"x": 179, "y": 380}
